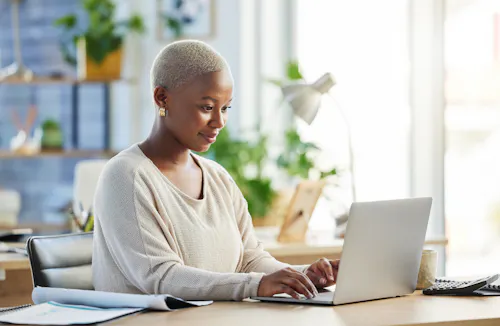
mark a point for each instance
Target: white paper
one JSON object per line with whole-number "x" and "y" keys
{"x": 52, "y": 313}
{"x": 107, "y": 299}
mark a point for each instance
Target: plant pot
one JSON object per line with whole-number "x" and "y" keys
{"x": 108, "y": 69}
{"x": 52, "y": 139}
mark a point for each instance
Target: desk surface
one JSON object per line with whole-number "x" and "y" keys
{"x": 13, "y": 261}
{"x": 414, "y": 309}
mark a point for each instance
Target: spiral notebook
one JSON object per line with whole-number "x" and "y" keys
{"x": 6, "y": 309}
{"x": 54, "y": 306}
{"x": 52, "y": 313}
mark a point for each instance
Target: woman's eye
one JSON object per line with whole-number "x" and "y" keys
{"x": 225, "y": 108}
{"x": 207, "y": 107}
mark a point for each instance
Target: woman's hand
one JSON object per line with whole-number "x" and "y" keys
{"x": 289, "y": 281}
{"x": 323, "y": 272}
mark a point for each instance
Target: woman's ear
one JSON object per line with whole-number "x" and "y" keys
{"x": 160, "y": 96}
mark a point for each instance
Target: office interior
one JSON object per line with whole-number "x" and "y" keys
{"x": 415, "y": 100}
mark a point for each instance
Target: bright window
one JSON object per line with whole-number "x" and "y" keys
{"x": 364, "y": 44}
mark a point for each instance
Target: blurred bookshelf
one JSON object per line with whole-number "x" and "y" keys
{"x": 56, "y": 80}
{"x": 4, "y": 154}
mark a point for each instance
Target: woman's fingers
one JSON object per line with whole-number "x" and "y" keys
{"x": 326, "y": 268}
{"x": 287, "y": 281}
{"x": 298, "y": 287}
{"x": 305, "y": 280}
{"x": 316, "y": 278}
{"x": 335, "y": 267}
{"x": 288, "y": 290}
{"x": 316, "y": 275}
{"x": 323, "y": 272}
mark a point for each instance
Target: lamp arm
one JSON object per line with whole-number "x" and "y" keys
{"x": 349, "y": 142}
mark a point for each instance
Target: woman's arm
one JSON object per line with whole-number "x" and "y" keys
{"x": 255, "y": 258}
{"x": 130, "y": 224}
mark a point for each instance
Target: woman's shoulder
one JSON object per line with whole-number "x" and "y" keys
{"x": 126, "y": 163}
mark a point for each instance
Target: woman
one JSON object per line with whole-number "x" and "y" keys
{"x": 169, "y": 221}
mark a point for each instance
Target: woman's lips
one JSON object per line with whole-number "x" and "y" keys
{"x": 209, "y": 138}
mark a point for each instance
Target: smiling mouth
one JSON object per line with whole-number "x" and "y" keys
{"x": 209, "y": 138}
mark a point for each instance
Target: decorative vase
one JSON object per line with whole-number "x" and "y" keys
{"x": 108, "y": 69}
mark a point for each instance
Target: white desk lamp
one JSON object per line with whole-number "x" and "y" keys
{"x": 305, "y": 100}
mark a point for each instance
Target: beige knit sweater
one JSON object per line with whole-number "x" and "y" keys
{"x": 152, "y": 238}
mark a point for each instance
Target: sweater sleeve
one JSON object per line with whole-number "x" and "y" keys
{"x": 255, "y": 258}
{"x": 127, "y": 216}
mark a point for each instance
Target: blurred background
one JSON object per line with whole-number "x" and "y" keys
{"x": 403, "y": 100}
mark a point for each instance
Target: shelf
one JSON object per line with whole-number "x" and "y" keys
{"x": 41, "y": 227}
{"x": 67, "y": 154}
{"x": 54, "y": 80}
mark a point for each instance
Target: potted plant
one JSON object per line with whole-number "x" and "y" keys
{"x": 52, "y": 136}
{"x": 297, "y": 158}
{"x": 244, "y": 161}
{"x": 99, "y": 44}
{"x": 240, "y": 158}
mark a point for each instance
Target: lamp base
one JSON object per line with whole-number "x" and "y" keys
{"x": 15, "y": 71}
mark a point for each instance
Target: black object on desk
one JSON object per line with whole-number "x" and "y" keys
{"x": 477, "y": 287}
{"x": 15, "y": 235}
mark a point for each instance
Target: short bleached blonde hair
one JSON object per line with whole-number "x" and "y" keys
{"x": 181, "y": 61}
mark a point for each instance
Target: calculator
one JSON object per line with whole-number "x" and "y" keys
{"x": 460, "y": 287}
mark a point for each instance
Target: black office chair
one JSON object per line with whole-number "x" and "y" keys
{"x": 62, "y": 261}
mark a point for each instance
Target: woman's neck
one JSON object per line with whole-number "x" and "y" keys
{"x": 164, "y": 150}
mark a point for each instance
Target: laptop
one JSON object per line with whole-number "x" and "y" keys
{"x": 381, "y": 253}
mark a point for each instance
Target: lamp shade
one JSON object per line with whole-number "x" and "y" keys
{"x": 305, "y": 99}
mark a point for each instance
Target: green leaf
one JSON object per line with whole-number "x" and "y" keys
{"x": 328, "y": 173}
{"x": 136, "y": 24}
{"x": 102, "y": 35}
{"x": 293, "y": 72}
{"x": 68, "y": 22}
{"x": 50, "y": 124}
{"x": 175, "y": 25}
{"x": 66, "y": 53}
{"x": 235, "y": 156}
{"x": 259, "y": 195}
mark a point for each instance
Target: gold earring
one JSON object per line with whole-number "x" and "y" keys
{"x": 163, "y": 112}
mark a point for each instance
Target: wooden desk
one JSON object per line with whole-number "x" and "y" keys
{"x": 301, "y": 254}
{"x": 414, "y": 309}
{"x": 16, "y": 283}
{"x": 15, "y": 280}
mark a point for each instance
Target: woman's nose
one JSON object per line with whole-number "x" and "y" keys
{"x": 218, "y": 120}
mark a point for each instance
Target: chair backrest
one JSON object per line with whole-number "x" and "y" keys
{"x": 87, "y": 174}
{"x": 62, "y": 261}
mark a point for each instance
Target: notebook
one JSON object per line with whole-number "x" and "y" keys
{"x": 101, "y": 299}
{"x": 52, "y": 313}
{"x": 54, "y": 306}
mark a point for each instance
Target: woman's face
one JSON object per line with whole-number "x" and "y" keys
{"x": 197, "y": 111}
